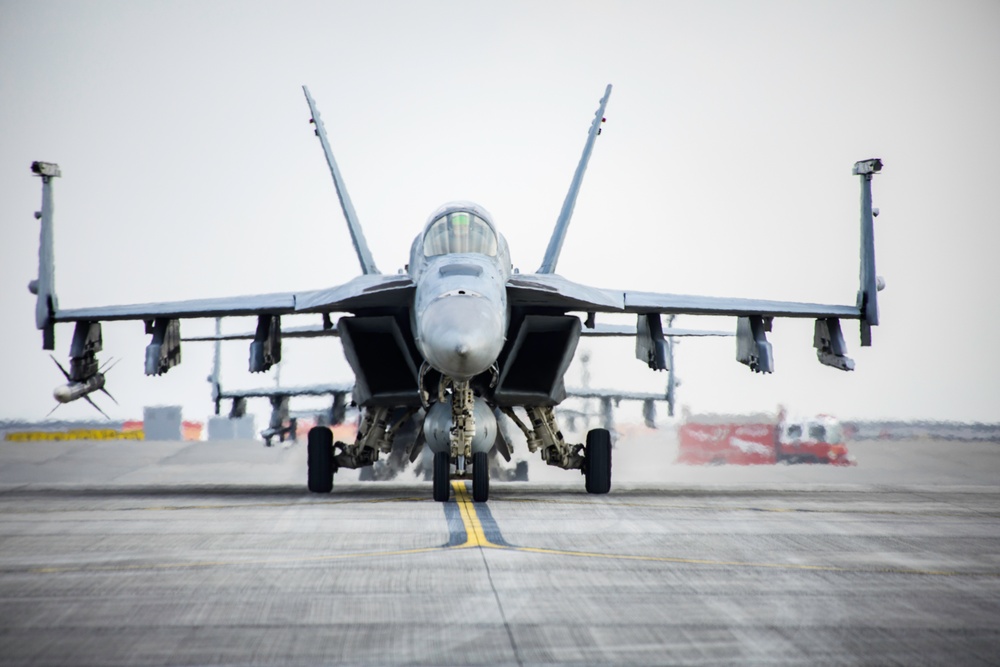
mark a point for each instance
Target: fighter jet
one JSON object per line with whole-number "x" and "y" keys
{"x": 459, "y": 335}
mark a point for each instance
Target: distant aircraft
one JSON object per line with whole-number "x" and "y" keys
{"x": 282, "y": 422}
{"x": 460, "y": 334}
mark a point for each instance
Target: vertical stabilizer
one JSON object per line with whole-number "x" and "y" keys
{"x": 44, "y": 287}
{"x": 357, "y": 236}
{"x": 562, "y": 224}
{"x": 871, "y": 284}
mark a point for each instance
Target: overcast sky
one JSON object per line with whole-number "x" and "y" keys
{"x": 190, "y": 170}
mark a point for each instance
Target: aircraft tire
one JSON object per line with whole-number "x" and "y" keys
{"x": 480, "y": 477}
{"x": 367, "y": 474}
{"x": 320, "y": 460}
{"x": 442, "y": 477}
{"x": 598, "y": 461}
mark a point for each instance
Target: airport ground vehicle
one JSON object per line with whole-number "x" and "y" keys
{"x": 761, "y": 440}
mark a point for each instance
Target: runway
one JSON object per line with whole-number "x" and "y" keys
{"x": 214, "y": 554}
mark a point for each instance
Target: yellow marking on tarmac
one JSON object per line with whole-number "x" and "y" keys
{"x": 474, "y": 535}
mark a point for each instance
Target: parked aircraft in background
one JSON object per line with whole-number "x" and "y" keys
{"x": 460, "y": 335}
{"x": 282, "y": 423}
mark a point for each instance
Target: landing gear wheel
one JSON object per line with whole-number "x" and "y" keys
{"x": 480, "y": 477}
{"x": 442, "y": 477}
{"x": 320, "y": 460}
{"x": 598, "y": 461}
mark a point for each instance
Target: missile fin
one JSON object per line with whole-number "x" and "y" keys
{"x": 109, "y": 395}
{"x": 87, "y": 398}
{"x": 56, "y": 361}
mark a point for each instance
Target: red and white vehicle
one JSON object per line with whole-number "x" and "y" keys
{"x": 758, "y": 440}
{"x": 816, "y": 440}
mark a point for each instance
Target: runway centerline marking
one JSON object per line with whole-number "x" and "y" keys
{"x": 476, "y": 537}
{"x": 472, "y": 525}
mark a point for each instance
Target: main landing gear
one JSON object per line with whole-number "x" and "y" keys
{"x": 442, "y": 477}
{"x": 321, "y": 463}
{"x": 592, "y": 459}
{"x": 597, "y": 464}
{"x": 543, "y": 436}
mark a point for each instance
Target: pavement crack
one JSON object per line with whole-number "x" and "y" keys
{"x": 503, "y": 614}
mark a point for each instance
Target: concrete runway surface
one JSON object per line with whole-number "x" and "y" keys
{"x": 144, "y": 553}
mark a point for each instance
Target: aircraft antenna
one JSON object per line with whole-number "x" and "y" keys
{"x": 562, "y": 224}
{"x": 357, "y": 236}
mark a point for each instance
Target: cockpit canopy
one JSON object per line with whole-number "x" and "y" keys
{"x": 459, "y": 231}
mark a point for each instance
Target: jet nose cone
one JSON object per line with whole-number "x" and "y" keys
{"x": 461, "y": 336}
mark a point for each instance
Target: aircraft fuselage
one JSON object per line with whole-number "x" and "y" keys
{"x": 460, "y": 314}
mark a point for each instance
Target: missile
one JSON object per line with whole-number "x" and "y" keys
{"x": 66, "y": 393}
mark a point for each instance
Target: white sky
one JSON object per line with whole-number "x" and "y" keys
{"x": 190, "y": 170}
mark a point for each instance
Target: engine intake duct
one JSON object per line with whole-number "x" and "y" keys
{"x": 535, "y": 359}
{"x": 380, "y": 354}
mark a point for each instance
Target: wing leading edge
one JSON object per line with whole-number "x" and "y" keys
{"x": 371, "y": 291}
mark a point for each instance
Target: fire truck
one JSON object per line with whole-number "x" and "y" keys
{"x": 761, "y": 440}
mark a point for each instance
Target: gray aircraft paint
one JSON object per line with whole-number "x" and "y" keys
{"x": 460, "y": 310}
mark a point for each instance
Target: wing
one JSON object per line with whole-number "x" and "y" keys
{"x": 162, "y": 319}
{"x": 615, "y": 394}
{"x": 306, "y": 331}
{"x": 364, "y": 292}
{"x": 684, "y": 304}
{"x": 754, "y": 316}
{"x": 526, "y": 290}
{"x": 307, "y": 390}
{"x": 259, "y": 304}
{"x": 626, "y": 331}
{"x": 370, "y": 291}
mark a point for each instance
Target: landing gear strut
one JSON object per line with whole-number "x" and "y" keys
{"x": 544, "y": 436}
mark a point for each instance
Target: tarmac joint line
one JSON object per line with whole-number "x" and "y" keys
{"x": 475, "y": 515}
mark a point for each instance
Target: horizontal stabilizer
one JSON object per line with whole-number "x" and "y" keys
{"x": 304, "y": 390}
